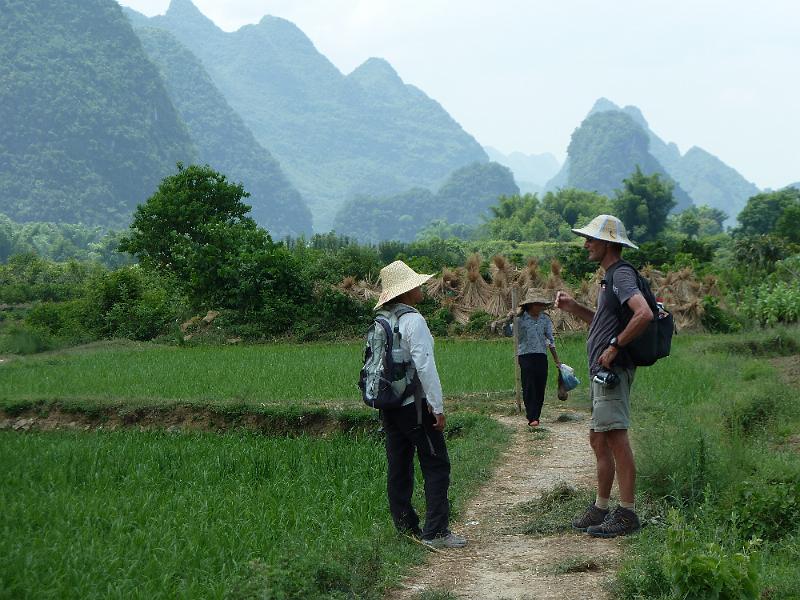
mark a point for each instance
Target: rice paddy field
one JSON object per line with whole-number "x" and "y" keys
{"x": 170, "y": 513}
{"x": 312, "y": 373}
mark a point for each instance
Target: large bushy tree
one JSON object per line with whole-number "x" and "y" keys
{"x": 643, "y": 204}
{"x": 195, "y": 227}
{"x": 764, "y": 213}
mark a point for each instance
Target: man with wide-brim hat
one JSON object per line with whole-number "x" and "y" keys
{"x": 611, "y": 374}
{"x": 409, "y": 430}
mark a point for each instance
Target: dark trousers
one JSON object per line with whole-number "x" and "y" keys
{"x": 404, "y": 437}
{"x": 533, "y": 372}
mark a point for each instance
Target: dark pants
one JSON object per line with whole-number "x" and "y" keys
{"x": 533, "y": 372}
{"x": 403, "y": 438}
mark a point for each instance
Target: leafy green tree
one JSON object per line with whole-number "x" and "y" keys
{"x": 643, "y": 204}
{"x": 574, "y": 205}
{"x": 763, "y": 211}
{"x": 788, "y": 224}
{"x": 196, "y": 229}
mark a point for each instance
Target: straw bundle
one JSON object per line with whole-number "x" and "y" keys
{"x": 498, "y": 300}
{"x": 475, "y": 293}
{"x": 530, "y": 277}
{"x": 360, "y": 290}
{"x": 447, "y": 285}
{"x": 554, "y": 281}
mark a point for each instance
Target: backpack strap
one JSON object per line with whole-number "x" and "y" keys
{"x": 398, "y": 310}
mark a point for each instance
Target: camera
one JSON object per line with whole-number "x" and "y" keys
{"x": 606, "y": 378}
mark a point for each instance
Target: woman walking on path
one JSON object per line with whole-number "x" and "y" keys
{"x": 535, "y": 338}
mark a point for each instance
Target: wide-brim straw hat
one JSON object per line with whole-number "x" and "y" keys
{"x": 536, "y": 296}
{"x": 398, "y": 278}
{"x": 607, "y": 228}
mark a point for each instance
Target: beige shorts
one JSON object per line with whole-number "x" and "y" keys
{"x": 611, "y": 407}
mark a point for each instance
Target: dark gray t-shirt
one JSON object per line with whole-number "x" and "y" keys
{"x": 605, "y": 323}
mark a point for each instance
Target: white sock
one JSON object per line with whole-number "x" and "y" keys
{"x": 601, "y": 503}
{"x": 628, "y": 505}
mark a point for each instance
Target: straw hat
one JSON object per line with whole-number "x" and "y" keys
{"x": 607, "y": 228}
{"x": 398, "y": 278}
{"x": 536, "y": 296}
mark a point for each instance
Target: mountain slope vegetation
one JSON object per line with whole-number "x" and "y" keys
{"x": 222, "y": 139}
{"x": 606, "y": 148}
{"x": 88, "y": 129}
{"x": 335, "y": 136}
{"x": 464, "y": 198}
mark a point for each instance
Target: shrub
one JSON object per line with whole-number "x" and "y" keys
{"x": 479, "y": 322}
{"x": 61, "y": 319}
{"x": 767, "y": 510}
{"x": 26, "y": 340}
{"x": 706, "y": 570}
{"x": 772, "y": 304}
{"x": 717, "y": 320}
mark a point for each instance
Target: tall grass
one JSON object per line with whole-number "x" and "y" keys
{"x": 710, "y": 436}
{"x": 157, "y": 515}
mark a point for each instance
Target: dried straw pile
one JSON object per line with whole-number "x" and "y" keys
{"x": 498, "y": 300}
{"x": 475, "y": 292}
{"x": 446, "y": 285}
{"x": 464, "y": 291}
{"x": 530, "y": 277}
{"x": 360, "y": 290}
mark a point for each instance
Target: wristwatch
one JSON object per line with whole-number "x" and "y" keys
{"x": 614, "y": 342}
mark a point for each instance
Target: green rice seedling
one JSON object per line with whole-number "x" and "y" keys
{"x": 284, "y": 373}
{"x": 201, "y": 515}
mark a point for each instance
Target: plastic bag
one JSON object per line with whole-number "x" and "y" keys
{"x": 567, "y": 377}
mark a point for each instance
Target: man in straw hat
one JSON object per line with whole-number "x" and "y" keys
{"x": 612, "y": 374}
{"x": 409, "y": 429}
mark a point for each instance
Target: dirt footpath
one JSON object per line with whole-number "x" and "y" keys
{"x": 500, "y": 563}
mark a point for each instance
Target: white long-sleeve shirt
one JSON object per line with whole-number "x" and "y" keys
{"x": 416, "y": 338}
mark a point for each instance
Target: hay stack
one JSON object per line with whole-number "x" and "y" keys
{"x": 498, "y": 300}
{"x": 360, "y": 290}
{"x": 475, "y": 292}
{"x": 554, "y": 281}
{"x": 447, "y": 285}
{"x": 530, "y": 277}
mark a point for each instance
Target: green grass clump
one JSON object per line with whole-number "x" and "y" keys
{"x": 159, "y": 515}
{"x": 708, "y": 432}
{"x": 554, "y": 511}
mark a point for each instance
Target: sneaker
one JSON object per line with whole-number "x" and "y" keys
{"x": 449, "y": 540}
{"x": 621, "y": 521}
{"x": 593, "y": 515}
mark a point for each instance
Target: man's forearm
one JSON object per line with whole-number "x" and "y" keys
{"x": 583, "y": 313}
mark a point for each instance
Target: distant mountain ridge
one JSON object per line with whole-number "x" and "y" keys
{"x": 531, "y": 171}
{"x": 335, "y": 136}
{"x": 465, "y": 197}
{"x": 702, "y": 176}
{"x": 222, "y": 139}
{"x": 88, "y": 129}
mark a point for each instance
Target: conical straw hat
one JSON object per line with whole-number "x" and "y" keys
{"x": 398, "y": 278}
{"x": 607, "y": 228}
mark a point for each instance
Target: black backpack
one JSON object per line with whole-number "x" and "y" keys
{"x": 384, "y": 378}
{"x": 655, "y": 342}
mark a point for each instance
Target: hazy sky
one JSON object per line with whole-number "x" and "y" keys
{"x": 521, "y": 75}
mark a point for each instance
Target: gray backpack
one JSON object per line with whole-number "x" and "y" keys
{"x": 387, "y": 378}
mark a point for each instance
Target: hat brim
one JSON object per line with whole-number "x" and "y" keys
{"x": 588, "y": 235}
{"x": 407, "y": 286}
